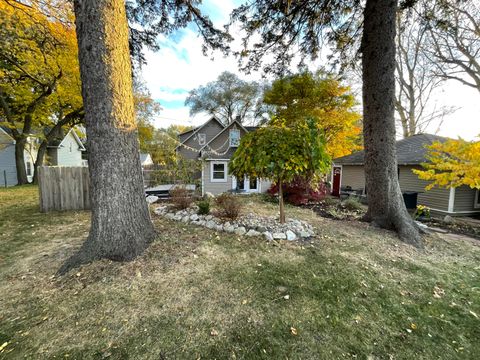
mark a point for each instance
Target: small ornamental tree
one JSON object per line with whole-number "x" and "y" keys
{"x": 451, "y": 164}
{"x": 281, "y": 153}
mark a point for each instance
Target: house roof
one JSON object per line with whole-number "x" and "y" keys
{"x": 6, "y": 131}
{"x": 194, "y": 131}
{"x": 235, "y": 122}
{"x": 56, "y": 143}
{"x": 144, "y": 157}
{"x": 410, "y": 151}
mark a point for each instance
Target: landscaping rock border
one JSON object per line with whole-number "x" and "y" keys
{"x": 247, "y": 225}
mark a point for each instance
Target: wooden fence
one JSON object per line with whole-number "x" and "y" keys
{"x": 63, "y": 188}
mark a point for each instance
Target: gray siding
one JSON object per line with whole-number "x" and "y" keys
{"x": 465, "y": 200}
{"x": 435, "y": 198}
{"x": 210, "y": 129}
{"x": 69, "y": 153}
{"x": 8, "y": 170}
{"x": 217, "y": 188}
{"x": 353, "y": 176}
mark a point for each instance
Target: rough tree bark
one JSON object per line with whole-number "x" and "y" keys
{"x": 121, "y": 228}
{"x": 281, "y": 201}
{"x": 385, "y": 203}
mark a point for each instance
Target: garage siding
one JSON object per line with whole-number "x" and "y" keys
{"x": 465, "y": 199}
{"x": 435, "y": 198}
{"x": 353, "y": 176}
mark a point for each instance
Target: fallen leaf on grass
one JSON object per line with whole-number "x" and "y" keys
{"x": 438, "y": 292}
{"x": 293, "y": 331}
{"x": 286, "y": 297}
{"x": 471, "y": 312}
{"x": 213, "y": 332}
{"x": 3, "y": 346}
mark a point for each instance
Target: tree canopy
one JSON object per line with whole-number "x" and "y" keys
{"x": 228, "y": 98}
{"x": 322, "y": 98}
{"x": 275, "y": 152}
{"x": 40, "y": 87}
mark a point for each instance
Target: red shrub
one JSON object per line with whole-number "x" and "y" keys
{"x": 300, "y": 192}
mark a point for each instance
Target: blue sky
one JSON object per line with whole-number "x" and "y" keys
{"x": 180, "y": 66}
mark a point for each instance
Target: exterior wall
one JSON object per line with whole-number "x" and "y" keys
{"x": 69, "y": 154}
{"x": 465, "y": 200}
{"x": 436, "y": 198}
{"x": 210, "y": 129}
{"x": 222, "y": 143}
{"x": 353, "y": 176}
{"x": 8, "y": 170}
{"x": 217, "y": 188}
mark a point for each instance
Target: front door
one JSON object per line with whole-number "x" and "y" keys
{"x": 249, "y": 185}
{"x": 336, "y": 183}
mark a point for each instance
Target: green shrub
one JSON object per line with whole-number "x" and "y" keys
{"x": 352, "y": 204}
{"x": 203, "y": 207}
{"x": 181, "y": 197}
{"x": 228, "y": 206}
{"x": 330, "y": 201}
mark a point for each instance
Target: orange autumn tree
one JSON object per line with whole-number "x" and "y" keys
{"x": 321, "y": 97}
{"x": 451, "y": 164}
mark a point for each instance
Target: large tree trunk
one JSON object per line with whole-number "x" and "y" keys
{"x": 281, "y": 201}
{"x": 121, "y": 228}
{"x": 42, "y": 150}
{"x": 20, "y": 161}
{"x": 385, "y": 202}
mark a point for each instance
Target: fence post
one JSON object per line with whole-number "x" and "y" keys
{"x": 5, "y": 177}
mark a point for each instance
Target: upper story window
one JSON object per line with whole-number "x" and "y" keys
{"x": 29, "y": 168}
{"x": 202, "y": 139}
{"x": 234, "y": 137}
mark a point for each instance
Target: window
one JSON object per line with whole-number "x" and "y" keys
{"x": 29, "y": 168}
{"x": 202, "y": 139}
{"x": 476, "y": 205}
{"x": 234, "y": 137}
{"x": 218, "y": 172}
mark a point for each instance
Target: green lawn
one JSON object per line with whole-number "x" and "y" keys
{"x": 354, "y": 292}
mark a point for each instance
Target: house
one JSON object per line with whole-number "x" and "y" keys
{"x": 214, "y": 144}
{"x": 348, "y": 173}
{"x": 66, "y": 150}
{"x": 146, "y": 160}
{"x": 8, "y": 169}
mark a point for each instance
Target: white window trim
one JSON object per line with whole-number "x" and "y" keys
{"x": 202, "y": 138}
{"x": 212, "y": 164}
{"x": 451, "y": 200}
{"x": 476, "y": 203}
{"x": 230, "y": 137}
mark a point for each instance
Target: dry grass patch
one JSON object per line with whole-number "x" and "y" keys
{"x": 352, "y": 292}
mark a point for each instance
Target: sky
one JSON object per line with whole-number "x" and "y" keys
{"x": 180, "y": 66}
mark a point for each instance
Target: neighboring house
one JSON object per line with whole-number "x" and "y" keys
{"x": 66, "y": 151}
{"x": 348, "y": 174}
{"x": 146, "y": 160}
{"x": 8, "y": 169}
{"x": 214, "y": 144}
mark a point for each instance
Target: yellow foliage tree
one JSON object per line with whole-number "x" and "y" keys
{"x": 451, "y": 164}
{"x": 40, "y": 87}
{"x": 321, "y": 97}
